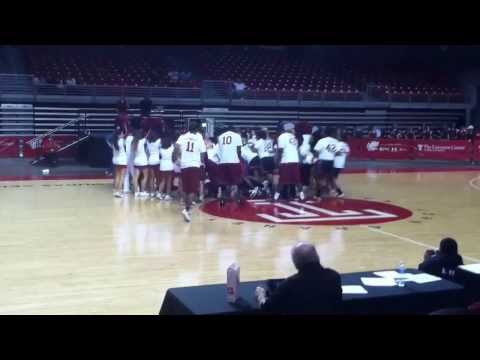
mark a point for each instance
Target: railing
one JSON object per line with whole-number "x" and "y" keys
{"x": 210, "y": 91}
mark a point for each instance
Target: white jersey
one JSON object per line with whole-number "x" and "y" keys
{"x": 166, "y": 159}
{"x": 306, "y": 155}
{"x": 120, "y": 155}
{"x": 228, "y": 143}
{"x": 264, "y": 148}
{"x": 192, "y": 145}
{"x": 128, "y": 148}
{"x": 247, "y": 153}
{"x": 289, "y": 144}
{"x": 154, "y": 152}
{"x": 341, "y": 159}
{"x": 141, "y": 158}
{"x": 326, "y": 147}
{"x": 212, "y": 154}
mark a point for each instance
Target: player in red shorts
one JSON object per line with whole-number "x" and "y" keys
{"x": 230, "y": 169}
{"x": 190, "y": 149}
{"x": 288, "y": 160}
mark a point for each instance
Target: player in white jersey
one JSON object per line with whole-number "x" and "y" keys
{"x": 263, "y": 145}
{"x": 153, "y": 146}
{"x": 119, "y": 161}
{"x": 325, "y": 151}
{"x": 211, "y": 167}
{"x": 230, "y": 170}
{"x": 190, "y": 149}
{"x": 288, "y": 160}
{"x": 304, "y": 137}
{"x": 339, "y": 164}
{"x": 130, "y": 173}
{"x": 140, "y": 161}
{"x": 166, "y": 169}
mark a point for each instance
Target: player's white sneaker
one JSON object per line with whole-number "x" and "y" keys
{"x": 276, "y": 196}
{"x": 186, "y": 215}
{"x": 302, "y": 196}
{"x": 137, "y": 195}
{"x": 117, "y": 194}
{"x": 254, "y": 192}
{"x": 167, "y": 198}
{"x": 144, "y": 194}
{"x": 201, "y": 198}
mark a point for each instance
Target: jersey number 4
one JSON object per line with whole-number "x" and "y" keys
{"x": 227, "y": 140}
{"x": 190, "y": 146}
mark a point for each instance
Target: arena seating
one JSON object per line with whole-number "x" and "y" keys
{"x": 264, "y": 72}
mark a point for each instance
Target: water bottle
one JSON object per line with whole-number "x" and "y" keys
{"x": 401, "y": 270}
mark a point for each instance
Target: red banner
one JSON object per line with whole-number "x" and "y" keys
{"x": 380, "y": 149}
{"x": 10, "y": 146}
{"x": 462, "y": 150}
{"x": 443, "y": 149}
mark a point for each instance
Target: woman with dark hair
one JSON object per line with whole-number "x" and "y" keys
{"x": 166, "y": 169}
{"x": 153, "y": 145}
{"x": 119, "y": 160}
{"x": 443, "y": 262}
{"x": 141, "y": 163}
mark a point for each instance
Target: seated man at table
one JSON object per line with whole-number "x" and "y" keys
{"x": 313, "y": 290}
{"x": 443, "y": 262}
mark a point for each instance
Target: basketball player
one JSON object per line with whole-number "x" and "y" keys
{"x": 304, "y": 137}
{"x": 264, "y": 147}
{"x": 339, "y": 163}
{"x": 325, "y": 150}
{"x": 166, "y": 169}
{"x": 288, "y": 160}
{"x": 230, "y": 153}
{"x": 211, "y": 167}
{"x": 190, "y": 149}
{"x": 119, "y": 161}
{"x": 153, "y": 146}
{"x": 252, "y": 161}
{"x": 140, "y": 161}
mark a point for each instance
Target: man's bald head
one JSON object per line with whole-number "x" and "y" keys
{"x": 304, "y": 253}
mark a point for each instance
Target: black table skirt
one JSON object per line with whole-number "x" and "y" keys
{"x": 411, "y": 299}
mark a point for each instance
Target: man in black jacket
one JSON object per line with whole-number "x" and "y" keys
{"x": 313, "y": 290}
{"x": 443, "y": 262}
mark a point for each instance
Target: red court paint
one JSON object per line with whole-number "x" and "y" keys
{"x": 329, "y": 211}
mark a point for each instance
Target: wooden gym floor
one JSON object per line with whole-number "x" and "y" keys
{"x": 69, "y": 247}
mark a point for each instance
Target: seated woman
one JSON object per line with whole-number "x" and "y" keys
{"x": 443, "y": 262}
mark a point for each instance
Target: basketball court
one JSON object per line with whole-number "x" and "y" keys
{"x": 69, "y": 247}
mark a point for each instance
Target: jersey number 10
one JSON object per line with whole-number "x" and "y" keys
{"x": 227, "y": 140}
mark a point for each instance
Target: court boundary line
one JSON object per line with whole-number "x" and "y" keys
{"x": 473, "y": 181}
{"x": 412, "y": 241}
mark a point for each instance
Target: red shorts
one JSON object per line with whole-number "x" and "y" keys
{"x": 190, "y": 180}
{"x": 120, "y": 166}
{"x": 230, "y": 174}
{"x": 289, "y": 174}
{"x": 141, "y": 167}
{"x": 154, "y": 167}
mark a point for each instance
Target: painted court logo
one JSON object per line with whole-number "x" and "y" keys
{"x": 331, "y": 211}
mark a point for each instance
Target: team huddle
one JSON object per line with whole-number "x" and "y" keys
{"x": 303, "y": 162}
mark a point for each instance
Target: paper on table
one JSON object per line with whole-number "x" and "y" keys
{"x": 353, "y": 289}
{"x": 392, "y": 274}
{"x": 378, "y": 281}
{"x": 424, "y": 278}
{"x": 474, "y": 268}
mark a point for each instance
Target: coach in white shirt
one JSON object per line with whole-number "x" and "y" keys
{"x": 191, "y": 149}
{"x": 288, "y": 159}
{"x": 325, "y": 151}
